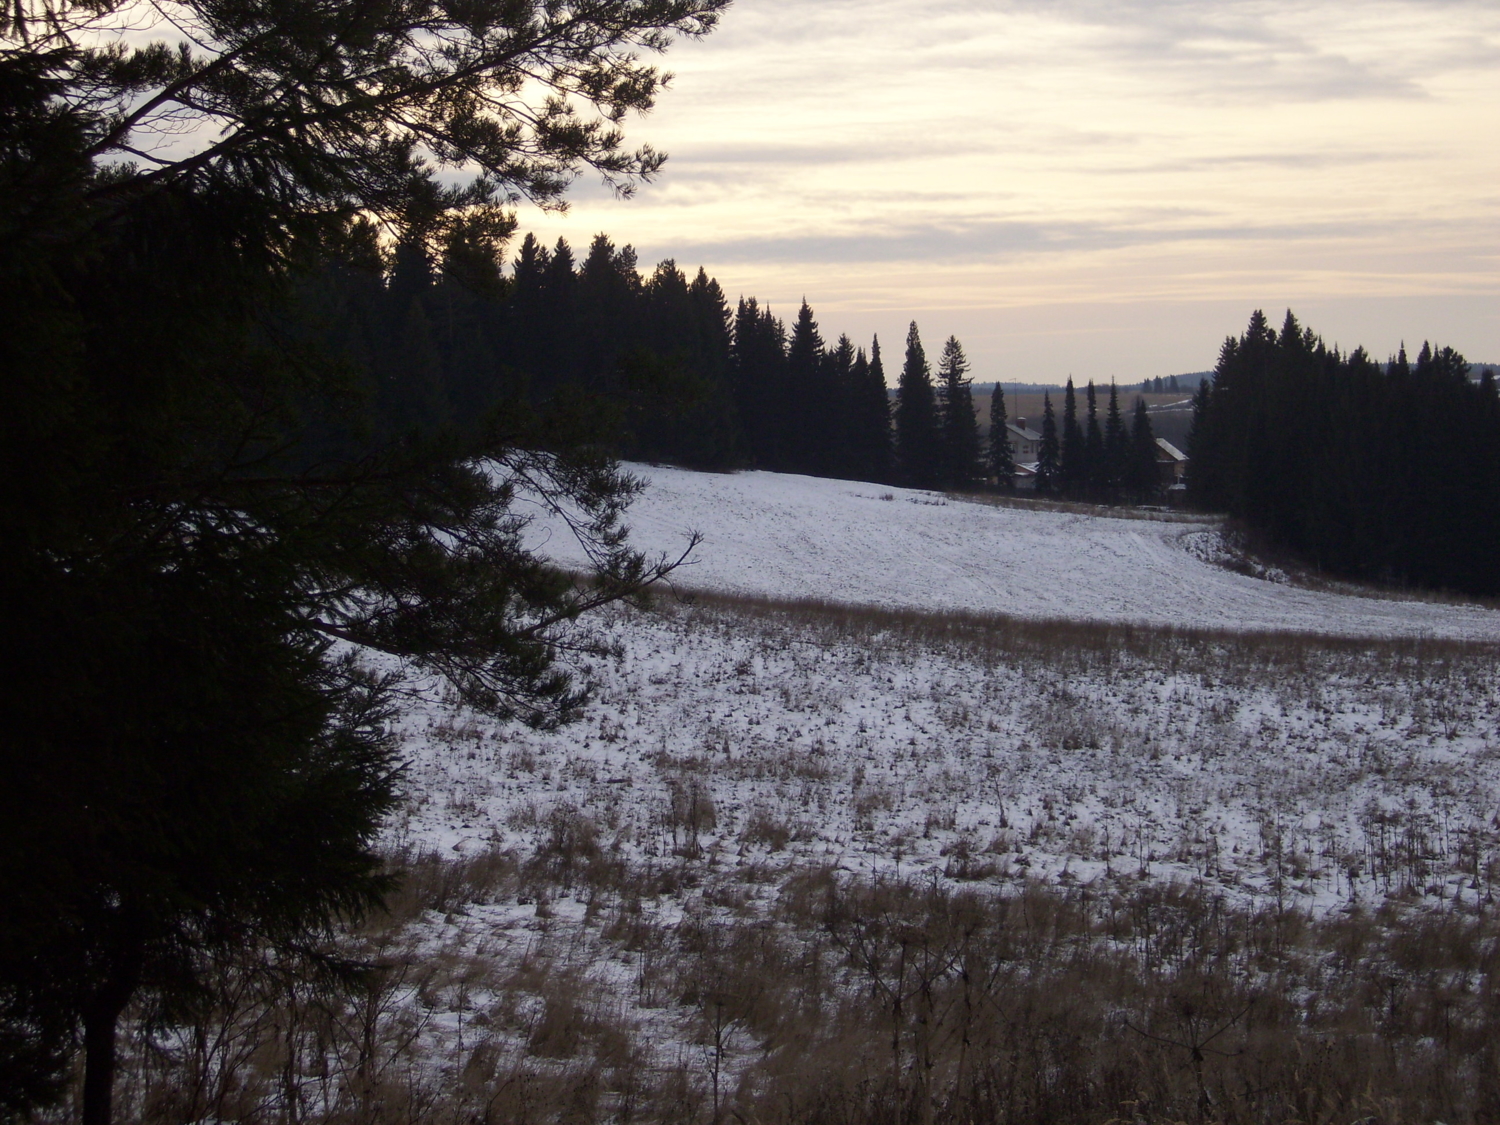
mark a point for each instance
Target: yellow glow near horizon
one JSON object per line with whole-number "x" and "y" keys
{"x": 1101, "y": 188}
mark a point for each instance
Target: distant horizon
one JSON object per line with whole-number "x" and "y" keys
{"x": 1110, "y": 189}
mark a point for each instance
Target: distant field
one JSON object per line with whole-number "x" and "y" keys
{"x": 786, "y": 536}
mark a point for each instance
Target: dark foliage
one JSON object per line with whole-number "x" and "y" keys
{"x": 1000, "y": 461}
{"x": 962, "y": 467}
{"x": 919, "y": 448}
{"x": 235, "y": 454}
{"x": 1381, "y": 471}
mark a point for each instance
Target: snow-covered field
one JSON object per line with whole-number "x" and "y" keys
{"x": 788, "y": 536}
{"x": 575, "y": 895}
{"x": 1316, "y": 776}
{"x": 730, "y": 751}
{"x": 869, "y": 747}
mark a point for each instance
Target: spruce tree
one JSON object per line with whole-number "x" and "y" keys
{"x": 1074, "y": 457}
{"x": 960, "y": 427}
{"x": 1094, "y": 469}
{"x": 1001, "y": 461}
{"x": 1116, "y": 447}
{"x": 918, "y": 444}
{"x": 837, "y": 447}
{"x": 1048, "y": 468}
{"x": 809, "y": 405}
{"x": 876, "y": 413}
{"x": 1142, "y": 479}
{"x": 758, "y": 378}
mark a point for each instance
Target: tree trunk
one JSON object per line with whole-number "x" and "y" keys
{"x": 100, "y": 1020}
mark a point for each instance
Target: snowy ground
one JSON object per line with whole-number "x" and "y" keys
{"x": 875, "y": 750}
{"x": 788, "y": 536}
{"x": 728, "y": 749}
{"x": 1312, "y": 775}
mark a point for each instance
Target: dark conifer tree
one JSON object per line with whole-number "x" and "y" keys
{"x": 810, "y": 401}
{"x": 1142, "y": 480}
{"x": 556, "y": 336}
{"x": 521, "y": 344}
{"x": 873, "y": 409}
{"x": 1073, "y": 472}
{"x": 1094, "y": 468}
{"x": 918, "y": 444}
{"x": 610, "y": 312}
{"x": 758, "y": 378}
{"x": 836, "y": 449}
{"x": 1048, "y": 468}
{"x": 959, "y": 426}
{"x": 1116, "y": 448}
{"x": 1382, "y": 471}
{"x": 1001, "y": 461}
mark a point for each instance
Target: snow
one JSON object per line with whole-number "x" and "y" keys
{"x": 884, "y": 751}
{"x": 740, "y": 747}
{"x": 1287, "y": 774}
{"x": 787, "y": 536}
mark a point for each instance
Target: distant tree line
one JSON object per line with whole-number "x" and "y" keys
{"x": 1107, "y": 463}
{"x": 1382, "y": 471}
{"x": 686, "y": 379}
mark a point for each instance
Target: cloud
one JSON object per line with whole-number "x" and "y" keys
{"x": 992, "y": 240}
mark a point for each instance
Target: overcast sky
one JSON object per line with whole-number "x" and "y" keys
{"x": 1095, "y": 187}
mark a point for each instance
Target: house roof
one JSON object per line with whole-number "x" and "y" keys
{"x": 1022, "y": 432}
{"x": 1170, "y": 450}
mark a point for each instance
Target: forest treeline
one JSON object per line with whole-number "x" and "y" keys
{"x": 686, "y": 378}
{"x": 682, "y": 377}
{"x": 1385, "y": 471}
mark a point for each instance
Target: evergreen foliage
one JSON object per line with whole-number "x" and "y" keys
{"x": 759, "y": 381}
{"x": 1384, "y": 471}
{"x": 1000, "y": 460}
{"x": 810, "y": 400}
{"x": 1142, "y": 479}
{"x": 204, "y": 513}
{"x": 869, "y": 418}
{"x": 1073, "y": 457}
{"x": 1116, "y": 448}
{"x": 1095, "y": 470}
{"x": 1048, "y": 467}
{"x": 919, "y": 452}
{"x": 959, "y": 424}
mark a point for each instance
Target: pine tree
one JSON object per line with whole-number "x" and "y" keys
{"x": 1094, "y": 468}
{"x": 918, "y": 445}
{"x": 1001, "y": 461}
{"x": 758, "y": 378}
{"x": 809, "y": 404}
{"x": 959, "y": 426}
{"x": 1116, "y": 447}
{"x": 206, "y": 523}
{"x": 875, "y": 413}
{"x": 1142, "y": 479}
{"x": 1048, "y": 454}
{"x": 837, "y": 446}
{"x": 1074, "y": 457}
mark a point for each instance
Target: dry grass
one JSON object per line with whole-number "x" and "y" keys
{"x": 1019, "y": 638}
{"x": 736, "y": 973}
{"x": 856, "y": 1002}
{"x": 1084, "y": 508}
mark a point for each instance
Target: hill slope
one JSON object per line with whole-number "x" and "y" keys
{"x": 786, "y": 536}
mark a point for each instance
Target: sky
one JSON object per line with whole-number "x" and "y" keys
{"x": 1096, "y": 188}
